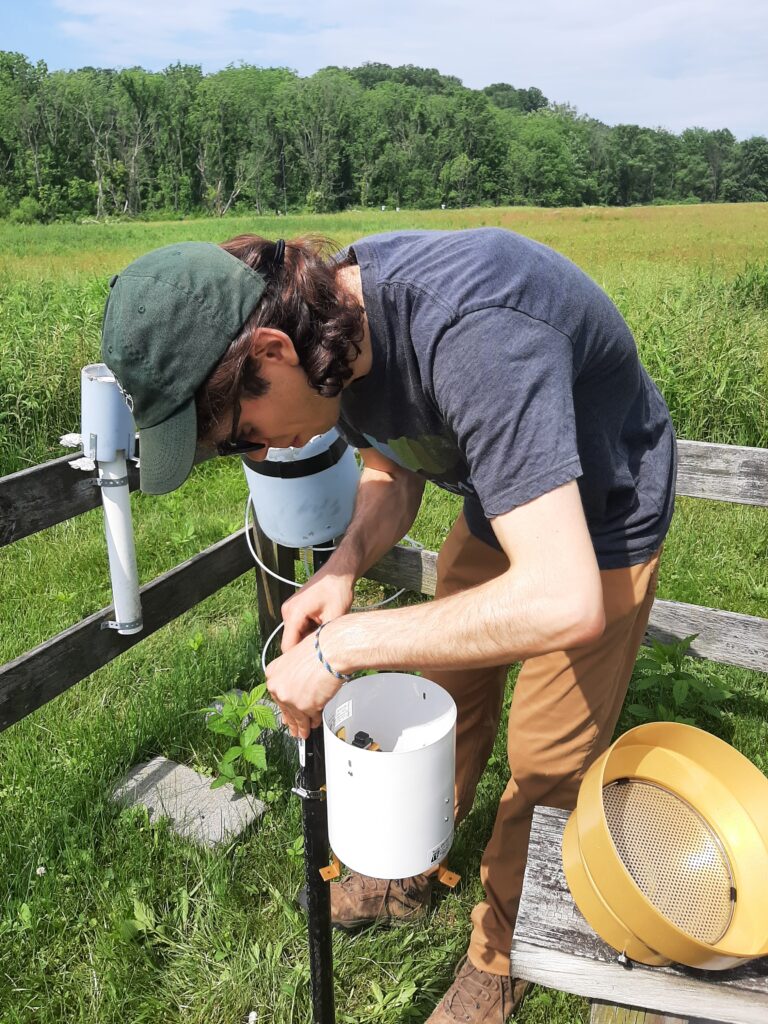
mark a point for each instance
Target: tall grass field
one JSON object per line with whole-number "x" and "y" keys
{"x": 106, "y": 917}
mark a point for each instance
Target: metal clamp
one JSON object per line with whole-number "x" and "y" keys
{"x": 308, "y": 794}
{"x": 111, "y": 624}
{"x": 120, "y": 481}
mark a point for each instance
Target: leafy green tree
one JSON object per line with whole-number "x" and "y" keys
{"x": 105, "y": 142}
{"x": 751, "y": 171}
{"x": 523, "y": 101}
{"x": 316, "y": 117}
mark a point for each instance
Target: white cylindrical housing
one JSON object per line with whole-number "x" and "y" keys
{"x": 106, "y": 423}
{"x": 108, "y": 436}
{"x": 390, "y": 811}
{"x": 122, "y": 553}
{"x": 305, "y": 496}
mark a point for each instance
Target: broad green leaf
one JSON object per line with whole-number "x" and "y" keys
{"x": 645, "y": 683}
{"x": 257, "y": 693}
{"x": 231, "y": 754}
{"x": 128, "y": 931}
{"x": 257, "y": 756}
{"x": 218, "y": 783}
{"x": 143, "y": 916}
{"x": 250, "y": 734}
{"x": 639, "y": 711}
{"x": 680, "y": 691}
{"x": 219, "y": 725}
{"x": 264, "y": 717}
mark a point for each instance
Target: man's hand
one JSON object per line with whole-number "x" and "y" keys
{"x": 301, "y": 686}
{"x": 326, "y": 596}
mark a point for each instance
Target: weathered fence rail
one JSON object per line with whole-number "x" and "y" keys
{"x": 43, "y": 496}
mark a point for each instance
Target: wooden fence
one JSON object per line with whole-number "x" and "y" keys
{"x": 41, "y": 497}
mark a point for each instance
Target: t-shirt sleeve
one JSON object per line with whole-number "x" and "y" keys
{"x": 351, "y": 436}
{"x": 503, "y": 384}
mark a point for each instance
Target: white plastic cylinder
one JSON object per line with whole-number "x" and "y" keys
{"x": 106, "y": 423}
{"x": 390, "y": 811}
{"x": 120, "y": 546}
{"x": 304, "y": 497}
{"x": 108, "y": 436}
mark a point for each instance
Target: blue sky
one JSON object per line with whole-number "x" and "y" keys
{"x": 673, "y": 63}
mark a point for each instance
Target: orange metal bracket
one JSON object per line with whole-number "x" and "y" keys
{"x": 332, "y": 870}
{"x": 449, "y": 878}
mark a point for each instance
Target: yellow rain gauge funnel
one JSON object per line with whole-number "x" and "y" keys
{"x": 390, "y": 749}
{"x": 666, "y": 854}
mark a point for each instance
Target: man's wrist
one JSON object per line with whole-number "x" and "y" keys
{"x": 323, "y": 658}
{"x": 344, "y": 645}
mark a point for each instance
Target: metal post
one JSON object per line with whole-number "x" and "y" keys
{"x": 316, "y": 851}
{"x": 310, "y": 787}
{"x": 315, "y": 821}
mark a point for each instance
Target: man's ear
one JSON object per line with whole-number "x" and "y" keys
{"x": 268, "y": 343}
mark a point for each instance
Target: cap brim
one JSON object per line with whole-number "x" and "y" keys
{"x": 167, "y": 451}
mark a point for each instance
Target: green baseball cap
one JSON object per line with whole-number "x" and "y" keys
{"x": 169, "y": 318}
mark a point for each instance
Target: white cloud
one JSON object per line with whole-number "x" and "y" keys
{"x": 664, "y": 62}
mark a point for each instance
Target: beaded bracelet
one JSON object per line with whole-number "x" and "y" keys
{"x": 321, "y": 659}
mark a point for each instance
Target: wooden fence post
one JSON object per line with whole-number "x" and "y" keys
{"x": 271, "y": 592}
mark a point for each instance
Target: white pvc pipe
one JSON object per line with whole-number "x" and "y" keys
{"x": 122, "y": 552}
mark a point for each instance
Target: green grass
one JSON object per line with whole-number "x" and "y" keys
{"x": 221, "y": 935}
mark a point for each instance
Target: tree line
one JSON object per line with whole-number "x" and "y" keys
{"x": 96, "y": 142}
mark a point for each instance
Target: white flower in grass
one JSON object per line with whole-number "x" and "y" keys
{"x": 40, "y": 870}
{"x": 253, "y": 1017}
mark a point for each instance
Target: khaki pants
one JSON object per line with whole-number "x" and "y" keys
{"x": 564, "y": 710}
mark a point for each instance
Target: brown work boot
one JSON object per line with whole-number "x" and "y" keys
{"x": 358, "y": 900}
{"x": 477, "y": 996}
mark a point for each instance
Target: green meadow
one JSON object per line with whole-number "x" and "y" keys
{"x": 106, "y": 917}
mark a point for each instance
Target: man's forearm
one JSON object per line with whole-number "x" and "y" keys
{"x": 512, "y": 617}
{"x": 384, "y": 511}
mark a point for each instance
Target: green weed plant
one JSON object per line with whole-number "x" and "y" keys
{"x": 664, "y": 690}
{"x": 242, "y": 717}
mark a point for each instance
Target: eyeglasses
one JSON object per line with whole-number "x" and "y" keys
{"x": 233, "y": 446}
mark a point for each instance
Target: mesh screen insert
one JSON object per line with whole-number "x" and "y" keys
{"x": 672, "y": 855}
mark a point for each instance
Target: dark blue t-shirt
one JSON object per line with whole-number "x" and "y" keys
{"x": 501, "y": 371}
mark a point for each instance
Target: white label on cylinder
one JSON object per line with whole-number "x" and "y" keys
{"x": 440, "y": 851}
{"x": 343, "y": 712}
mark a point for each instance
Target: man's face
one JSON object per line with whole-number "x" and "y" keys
{"x": 288, "y": 415}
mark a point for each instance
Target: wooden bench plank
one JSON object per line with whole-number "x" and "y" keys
{"x": 725, "y": 637}
{"x": 609, "y": 1013}
{"x": 553, "y": 945}
{"x": 34, "y": 678}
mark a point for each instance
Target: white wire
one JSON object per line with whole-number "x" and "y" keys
{"x": 293, "y": 583}
{"x": 282, "y": 579}
{"x": 270, "y": 638}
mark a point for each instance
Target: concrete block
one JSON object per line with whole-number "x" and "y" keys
{"x": 174, "y": 791}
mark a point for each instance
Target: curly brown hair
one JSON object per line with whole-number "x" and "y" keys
{"x": 302, "y": 298}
